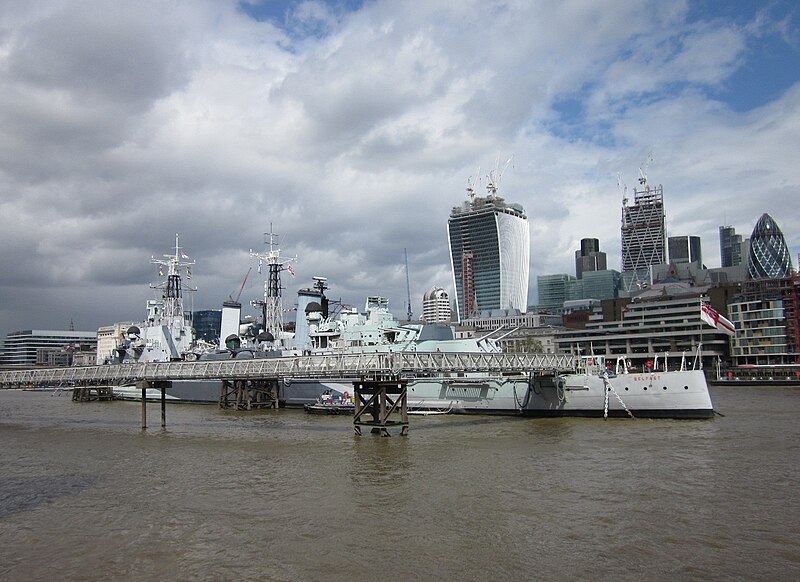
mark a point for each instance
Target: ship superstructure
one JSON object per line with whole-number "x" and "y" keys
{"x": 167, "y": 332}
{"x": 272, "y": 304}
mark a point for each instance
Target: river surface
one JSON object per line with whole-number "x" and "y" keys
{"x": 86, "y": 494}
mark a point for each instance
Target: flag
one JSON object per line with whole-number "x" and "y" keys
{"x": 715, "y": 319}
{"x": 291, "y": 271}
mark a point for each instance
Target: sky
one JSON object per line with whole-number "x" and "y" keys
{"x": 351, "y": 128}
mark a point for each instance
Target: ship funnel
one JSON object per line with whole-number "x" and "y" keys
{"x": 231, "y": 313}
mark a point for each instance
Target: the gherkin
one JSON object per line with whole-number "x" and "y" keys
{"x": 769, "y": 256}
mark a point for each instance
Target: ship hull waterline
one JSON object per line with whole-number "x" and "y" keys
{"x": 676, "y": 394}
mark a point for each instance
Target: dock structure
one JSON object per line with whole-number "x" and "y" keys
{"x": 248, "y": 394}
{"x": 92, "y": 393}
{"x": 248, "y": 384}
{"x": 322, "y": 366}
{"x": 377, "y": 399}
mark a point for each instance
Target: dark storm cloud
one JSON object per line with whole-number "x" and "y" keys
{"x": 352, "y": 135}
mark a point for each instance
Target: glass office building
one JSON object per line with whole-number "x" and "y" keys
{"x": 769, "y": 256}
{"x": 490, "y": 255}
{"x": 730, "y": 246}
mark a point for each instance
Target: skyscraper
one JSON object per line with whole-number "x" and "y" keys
{"x": 643, "y": 234}
{"x": 730, "y": 247}
{"x": 589, "y": 257}
{"x": 685, "y": 249}
{"x": 554, "y": 290}
{"x": 489, "y": 254}
{"x": 769, "y": 256}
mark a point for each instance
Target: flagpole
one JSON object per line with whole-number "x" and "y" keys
{"x": 700, "y": 347}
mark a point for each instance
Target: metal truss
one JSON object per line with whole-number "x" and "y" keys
{"x": 406, "y": 364}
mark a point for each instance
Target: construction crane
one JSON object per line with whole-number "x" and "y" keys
{"x": 239, "y": 294}
{"x": 643, "y": 169}
{"x": 408, "y": 287}
{"x": 494, "y": 176}
{"x": 471, "y": 183}
{"x": 622, "y": 188}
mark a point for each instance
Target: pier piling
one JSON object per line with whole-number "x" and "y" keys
{"x": 376, "y": 400}
{"x": 249, "y": 394}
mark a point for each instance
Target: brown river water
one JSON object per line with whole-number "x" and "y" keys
{"x": 85, "y": 494}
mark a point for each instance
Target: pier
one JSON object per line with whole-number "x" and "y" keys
{"x": 249, "y": 384}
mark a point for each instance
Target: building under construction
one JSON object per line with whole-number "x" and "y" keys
{"x": 490, "y": 254}
{"x": 643, "y": 235}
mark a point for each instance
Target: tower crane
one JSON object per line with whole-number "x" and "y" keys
{"x": 495, "y": 175}
{"x": 622, "y": 188}
{"x": 471, "y": 183}
{"x": 643, "y": 169}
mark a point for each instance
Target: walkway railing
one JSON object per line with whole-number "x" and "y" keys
{"x": 329, "y": 366}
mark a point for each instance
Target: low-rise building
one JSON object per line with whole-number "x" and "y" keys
{"x": 34, "y": 347}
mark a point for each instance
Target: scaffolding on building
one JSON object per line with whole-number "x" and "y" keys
{"x": 468, "y": 285}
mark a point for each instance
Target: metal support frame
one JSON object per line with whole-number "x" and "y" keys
{"x": 248, "y": 394}
{"x": 379, "y": 398}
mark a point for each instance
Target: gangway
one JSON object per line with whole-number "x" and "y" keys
{"x": 315, "y": 366}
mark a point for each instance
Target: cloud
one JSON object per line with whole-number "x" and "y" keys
{"x": 351, "y": 130}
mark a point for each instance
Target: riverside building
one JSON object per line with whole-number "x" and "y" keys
{"x": 663, "y": 321}
{"x": 32, "y": 347}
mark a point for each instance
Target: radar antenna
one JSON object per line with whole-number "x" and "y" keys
{"x": 172, "y": 288}
{"x": 271, "y": 306}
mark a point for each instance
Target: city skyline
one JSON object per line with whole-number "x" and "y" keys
{"x": 353, "y": 127}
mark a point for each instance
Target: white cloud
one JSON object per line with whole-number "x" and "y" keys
{"x": 353, "y": 134}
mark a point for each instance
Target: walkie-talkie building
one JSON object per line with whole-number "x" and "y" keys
{"x": 490, "y": 255}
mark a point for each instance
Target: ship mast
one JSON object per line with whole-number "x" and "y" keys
{"x": 172, "y": 287}
{"x": 272, "y": 304}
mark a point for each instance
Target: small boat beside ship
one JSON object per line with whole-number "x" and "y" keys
{"x": 330, "y": 403}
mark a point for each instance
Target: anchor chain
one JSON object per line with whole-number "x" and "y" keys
{"x": 609, "y": 388}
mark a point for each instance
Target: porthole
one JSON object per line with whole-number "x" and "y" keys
{"x": 626, "y": 388}
{"x": 685, "y": 387}
{"x": 645, "y": 387}
{"x": 665, "y": 387}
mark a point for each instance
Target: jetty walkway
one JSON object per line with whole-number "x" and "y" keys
{"x": 316, "y": 366}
